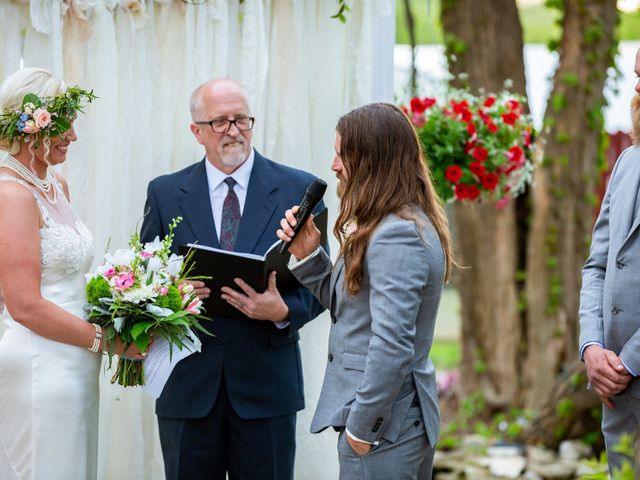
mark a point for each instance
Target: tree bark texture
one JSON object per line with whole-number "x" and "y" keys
{"x": 484, "y": 40}
{"x": 563, "y": 192}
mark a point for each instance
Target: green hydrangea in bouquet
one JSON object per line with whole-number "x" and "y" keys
{"x": 479, "y": 147}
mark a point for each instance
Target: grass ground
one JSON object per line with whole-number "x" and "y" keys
{"x": 445, "y": 354}
{"x": 538, "y": 23}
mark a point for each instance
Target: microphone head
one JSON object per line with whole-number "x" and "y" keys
{"x": 316, "y": 189}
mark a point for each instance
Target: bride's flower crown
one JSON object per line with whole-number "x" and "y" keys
{"x": 43, "y": 117}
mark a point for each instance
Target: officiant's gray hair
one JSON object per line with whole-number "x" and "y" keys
{"x": 196, "y": 104}
{"x": 28, "y": 80}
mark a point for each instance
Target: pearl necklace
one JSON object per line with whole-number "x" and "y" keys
{"x": 45, "y": 186}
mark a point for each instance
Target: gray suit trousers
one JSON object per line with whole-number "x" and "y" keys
{"x": 409, "y": 458}
{"x": 624, "y": 418}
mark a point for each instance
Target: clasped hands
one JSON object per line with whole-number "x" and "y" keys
{"x": 607, "y": 375}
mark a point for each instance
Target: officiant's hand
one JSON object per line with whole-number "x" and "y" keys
{"x": 308, "y": 238}
{"x": 199, "y": 289}
{"x": 259, "y": 306}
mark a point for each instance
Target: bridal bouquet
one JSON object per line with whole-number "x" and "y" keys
{"x": 140, "y": 292}
{"x": 478, "y": 146}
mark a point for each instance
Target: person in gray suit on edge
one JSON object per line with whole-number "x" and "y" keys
{"x": 379, "y": 388}
{"x": 610, "y": 298}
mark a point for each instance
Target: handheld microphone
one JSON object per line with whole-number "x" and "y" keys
{"x": 312, "y": 196}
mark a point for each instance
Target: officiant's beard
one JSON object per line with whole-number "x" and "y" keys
{"x": 235, "y": 157}
{"x": 635, "y": 119}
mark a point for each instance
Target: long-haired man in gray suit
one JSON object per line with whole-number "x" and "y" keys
{"x": 379, "y": 388}
{"x": 610, "y": 298}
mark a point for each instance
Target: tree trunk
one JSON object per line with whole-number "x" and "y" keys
{"x": 487, "y": 46}
{"x": 486, "y": 240}
{"x": 411, "y": 27}
{"x": 564, "y": 190}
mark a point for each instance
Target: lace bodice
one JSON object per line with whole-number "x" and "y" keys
{"x": 66, "y": 244}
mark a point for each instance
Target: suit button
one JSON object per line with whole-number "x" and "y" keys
{"x": 416, "y": 423}
{"x": 619, "y": 264}
{"x": 616, "y": 310}
{"x": 331, "y": 357}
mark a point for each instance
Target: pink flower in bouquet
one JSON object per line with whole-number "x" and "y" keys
{"x": 42, "y": 117}
{"x": 109, "y": 272}
{"x": 124, "y": 281}
{"x": 145, "y": 254}
{"x": 164, "y": 291}
{"x": 194, "y": 306}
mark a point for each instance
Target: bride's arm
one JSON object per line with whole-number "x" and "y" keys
{"x": 20, "y": 272}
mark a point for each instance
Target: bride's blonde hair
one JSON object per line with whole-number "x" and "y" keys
{"x": 29, "y": 80}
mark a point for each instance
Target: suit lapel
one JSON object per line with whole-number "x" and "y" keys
{"x": 630, "y": 214}
{"x": 196, "y": 206}
{"x": 259, "y": 207}
{"x": 337, "y": 273}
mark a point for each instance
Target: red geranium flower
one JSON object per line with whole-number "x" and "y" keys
{"x": 473, "y": 192}
{"x": 468, "y": 146}
{"x": 493, "y": 128}
{"x": 513, "y": 104}
{"x": 418, "y": 119}
{"x": 461, "y": 191}
{"x": 527, "y": 137}
{"x": 477, "y": 168}
{"x": 453, "y": 173}
{"x": 509, "y": 118}
{"x": 515, "y": 154}
{"x": 480, "y": 154}
{"x": 419, "y": 105}
{"x": 489, "y": 101}
{"x": 471, "y": 129}
{"x": 490, "y": 180}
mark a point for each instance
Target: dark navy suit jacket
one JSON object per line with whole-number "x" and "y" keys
{"x": 261, "y": 364}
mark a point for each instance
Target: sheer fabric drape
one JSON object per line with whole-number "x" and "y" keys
{"x": 302, "y": 70}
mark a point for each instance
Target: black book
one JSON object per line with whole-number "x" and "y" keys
{"x": 223, "y": 266}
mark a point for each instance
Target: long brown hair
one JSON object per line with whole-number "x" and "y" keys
{"x": 386, "y": 173}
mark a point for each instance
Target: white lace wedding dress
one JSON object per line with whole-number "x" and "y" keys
{"x": 49, "y": 390}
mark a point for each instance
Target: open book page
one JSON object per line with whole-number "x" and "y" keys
{"x": 158, "y": 364}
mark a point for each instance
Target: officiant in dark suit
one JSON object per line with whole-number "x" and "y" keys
{"x": 232, "y": 407}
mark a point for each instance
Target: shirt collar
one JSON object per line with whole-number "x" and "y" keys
{"x": 215, "y": 177}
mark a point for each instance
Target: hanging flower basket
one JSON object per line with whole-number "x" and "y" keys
{"x": 479, "y": 148}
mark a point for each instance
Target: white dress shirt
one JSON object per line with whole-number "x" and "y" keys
{"x": 218, "y": 189}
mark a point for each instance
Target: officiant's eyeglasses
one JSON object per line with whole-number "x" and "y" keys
{"x": 223, "y": 125}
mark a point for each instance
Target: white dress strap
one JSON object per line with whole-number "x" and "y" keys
{"x": 46, "y": 218}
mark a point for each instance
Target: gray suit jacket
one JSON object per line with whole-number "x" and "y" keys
{"x": 610, "y": 295}
{"x": 378, "y": 358}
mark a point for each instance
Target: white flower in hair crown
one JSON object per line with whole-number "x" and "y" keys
{"x": 43, "y": 117}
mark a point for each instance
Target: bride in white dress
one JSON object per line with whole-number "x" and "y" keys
{"x": 49, "y": 360}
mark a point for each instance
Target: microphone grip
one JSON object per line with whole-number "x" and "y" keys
{"x": 304, "y": 211}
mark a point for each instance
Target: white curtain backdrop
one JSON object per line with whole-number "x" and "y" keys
{"x": 302, "y": 70}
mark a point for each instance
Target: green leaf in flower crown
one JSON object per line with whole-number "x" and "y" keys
{"x": 60, "y": 125}
{"x": 30, "y": 98}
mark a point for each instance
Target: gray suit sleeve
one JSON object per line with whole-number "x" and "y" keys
{"x": 593, "y": 273}
{"x": 397, "y": 264}
{"x": 315, "y": 274}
